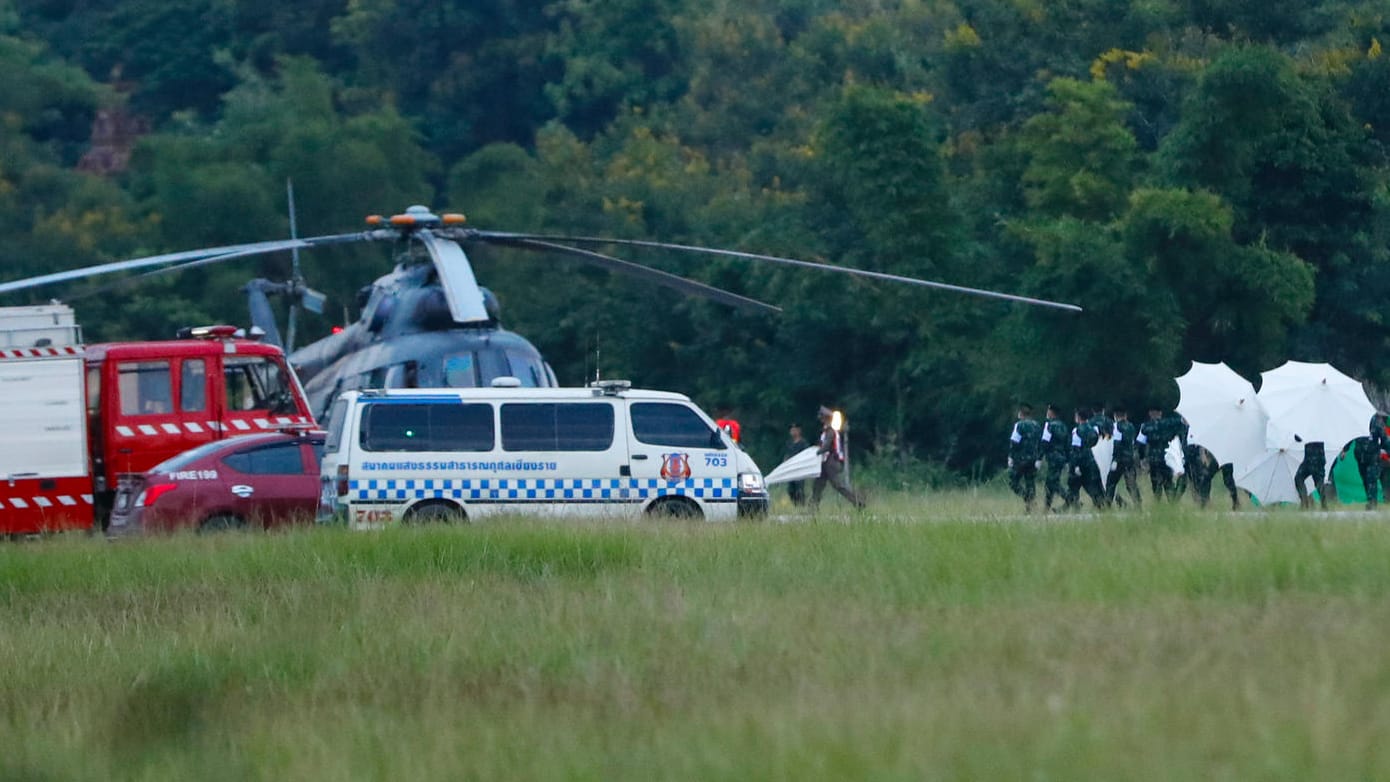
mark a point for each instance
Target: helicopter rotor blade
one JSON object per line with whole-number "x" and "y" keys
{"x": 194, "y": 258}
{"x": 499, "y": 236}
{"x": 657, "y": 276}
{"x": 456, "y": 278}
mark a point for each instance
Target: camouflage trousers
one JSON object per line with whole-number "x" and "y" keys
{"x": 1315, "y": 469}
{"x": 1086, "y": 475}
{"x": 1053, "y": 487}
{"x": 1372, "y": 476}
{"x": 1129, "y": 473}
{"x": 1023, "y": 481}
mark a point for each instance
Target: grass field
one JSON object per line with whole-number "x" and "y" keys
{"x": 932, "y": 639}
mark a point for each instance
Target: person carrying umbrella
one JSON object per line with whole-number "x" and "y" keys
{"x": 1369, "y": 452}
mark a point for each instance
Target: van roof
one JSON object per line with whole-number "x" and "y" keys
{"x": 504, "y": 394}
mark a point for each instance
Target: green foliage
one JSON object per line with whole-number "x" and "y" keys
{"x": 1083, "y": 157}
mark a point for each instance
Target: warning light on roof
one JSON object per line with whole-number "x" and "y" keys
{"x": 337, "y": 329}
{"x": 403, "y": 220}
{"x": 453, "y": 218}
{"x": 374, "y": 220}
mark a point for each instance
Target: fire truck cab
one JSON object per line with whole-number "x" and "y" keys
{"x": 75, "y": 419}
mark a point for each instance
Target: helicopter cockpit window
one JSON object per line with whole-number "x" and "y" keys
{"x": 492, "y": 364}
{"x": 193, "y": 385}
{"x": 460, "y": 371}
{"x": 257, "y": 383}
{"x": 527, "y": 369}
{"x": 665, "y": 423}
{"x": 144, "y": 387}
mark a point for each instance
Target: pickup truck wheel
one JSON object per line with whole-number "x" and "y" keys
{"x": 435, "y": 513}
{"x": 224, "y": 522}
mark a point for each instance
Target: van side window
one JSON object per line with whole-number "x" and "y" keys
{"x": 666, "y": 423}
{"x": 582, "y": 426}
{"x": 427, "y": 426}
{"x": 144, "y": 387}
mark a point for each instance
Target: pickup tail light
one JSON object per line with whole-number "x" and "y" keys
{"x": 342, "y": 480}
{"x": 151, "y": 494}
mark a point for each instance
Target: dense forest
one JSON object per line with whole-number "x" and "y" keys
{"x": 1208, "y": 178}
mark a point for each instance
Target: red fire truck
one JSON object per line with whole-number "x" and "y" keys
{"x": 73, "y": 418}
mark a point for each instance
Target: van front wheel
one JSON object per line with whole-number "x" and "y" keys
{"x": 675, "y": 508}
{"x": 434, "y": 513}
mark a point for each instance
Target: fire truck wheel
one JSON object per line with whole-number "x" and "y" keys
{"x": 222, "y": 523}
{"x": 435, "y": 513}
{"x": 674, "y": 508}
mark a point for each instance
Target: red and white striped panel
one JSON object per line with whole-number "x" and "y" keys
{"x": 235, "y": 426}
{"x": 69, "y": 350}
{"x": 45, "y": 501}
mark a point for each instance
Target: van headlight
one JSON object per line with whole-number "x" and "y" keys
{"x": 750, "y": 482}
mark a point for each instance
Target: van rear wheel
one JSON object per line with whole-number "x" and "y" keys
{"x": 675, "y": 508}
{"x": 435, "y": 513}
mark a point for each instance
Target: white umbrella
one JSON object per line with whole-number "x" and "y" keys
{"x": 1269, "y": 477}
{"x": 1104, "y": 453}
{"x": 1317, "y": 403}
{"x": 798, "y": 468}
{"x": 1223, "y": 412}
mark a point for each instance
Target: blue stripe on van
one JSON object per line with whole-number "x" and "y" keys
{"x": 520, "y": 490}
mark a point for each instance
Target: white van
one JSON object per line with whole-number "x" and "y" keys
{"x": 423, "y": 454}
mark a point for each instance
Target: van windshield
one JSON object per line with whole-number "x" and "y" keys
{"x": 336, "y": 417}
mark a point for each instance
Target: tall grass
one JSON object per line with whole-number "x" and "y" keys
{"x": 935, "y": 639}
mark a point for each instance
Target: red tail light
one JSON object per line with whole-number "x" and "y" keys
{"x": 342, "y": 480}
{"x": 153, "y": 493}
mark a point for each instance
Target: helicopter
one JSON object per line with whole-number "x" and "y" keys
{"x": 428, "y": 323}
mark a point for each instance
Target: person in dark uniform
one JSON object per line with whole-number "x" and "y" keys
{"x": 1056, "y": 452}
{"x": 1085, "y": 474}
{"x": 796, "y": 490}
{"x": 1200, "y": 466}
{"x": 1368, "y": 458}
{"x": 832, "y": 463}
{"x": 1125, "y": 467}
{"x": 1025, "y": 453}
{"x": 1153, "y": 440}
{"x": 1228, "y": 477}
{"x": 1314, "y": 466}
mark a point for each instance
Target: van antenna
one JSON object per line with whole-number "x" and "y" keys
{"x": 598, "y": 359}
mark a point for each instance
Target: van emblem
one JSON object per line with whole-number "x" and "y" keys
{"x": 675, "y": 466}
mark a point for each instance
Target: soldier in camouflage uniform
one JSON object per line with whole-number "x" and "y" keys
{"x": 1368, "y": 453}
{"x": 1025, "y": 453}
{"x": 1085, "y": 474}
{"x": 1056, "y": 453}
{"x": 1125, "y": 466}
{"x": 1104, "y": 425}
{"x": 1314, "y": 466}
{"x": 1153, "y": 447}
